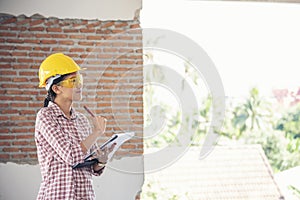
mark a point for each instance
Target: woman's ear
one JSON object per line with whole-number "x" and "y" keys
{"x": 56, "y": 89}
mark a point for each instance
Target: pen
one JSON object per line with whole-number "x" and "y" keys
{"x": 88, "y": 110}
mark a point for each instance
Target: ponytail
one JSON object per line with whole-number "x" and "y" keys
{"x": 50, "y": 97}
{"x": 47, "y": 100}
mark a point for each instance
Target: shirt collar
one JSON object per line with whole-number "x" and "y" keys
{"x": 58, "y": 112}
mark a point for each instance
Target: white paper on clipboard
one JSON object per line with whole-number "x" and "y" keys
{"x": 122, "y": 137}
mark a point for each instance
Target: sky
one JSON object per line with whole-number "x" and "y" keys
{"x": 252, "y": 44}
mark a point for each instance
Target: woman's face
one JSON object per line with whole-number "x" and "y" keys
{"x": 71, "y": 87}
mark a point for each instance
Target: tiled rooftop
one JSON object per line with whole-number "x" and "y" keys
{"x": 228, "y": 172}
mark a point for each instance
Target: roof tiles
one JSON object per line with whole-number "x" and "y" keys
{"x": 228, "y": 172}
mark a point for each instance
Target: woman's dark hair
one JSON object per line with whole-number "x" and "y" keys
{"x": 51, "y": 94}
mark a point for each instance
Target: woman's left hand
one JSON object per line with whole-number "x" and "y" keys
{"x": 102, "y": 157}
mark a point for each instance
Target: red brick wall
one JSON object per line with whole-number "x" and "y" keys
{"x": 113, "y": 76}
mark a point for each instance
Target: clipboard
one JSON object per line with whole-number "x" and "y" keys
{"x": 118, "y": 138}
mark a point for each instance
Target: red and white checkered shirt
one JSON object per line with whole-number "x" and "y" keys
{"x": 58, "y": 147}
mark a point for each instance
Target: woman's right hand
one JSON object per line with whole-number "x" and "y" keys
{"x": 99, "y": 123}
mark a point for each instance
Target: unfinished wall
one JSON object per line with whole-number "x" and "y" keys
{"x": 106, "y": 49}
{"x": 112, "y": 53}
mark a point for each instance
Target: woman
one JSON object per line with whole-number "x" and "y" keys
{"x": 63, "y": 136}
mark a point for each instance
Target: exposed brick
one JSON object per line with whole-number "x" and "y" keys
{"x": 19, "y": 156}
{"x": 33, "y": 156}
{"x": 6, "y": 137}
{"x": 17, "y": 41}
{"x": 34, "y": 80}
{"x": 86, "y": 30}
{"x": 47, "y": 49}
{"x": 18, "y": 28}
{"x": 59, "y": 36}
{"x": 3, "y": 105}
{"x": 20, "y": 80}
{"x": 135, "y": 44}
{"x": 12, "y": 92}
{"x": 24, "y": 98}
{"x": 4, "y": 130}
{"x": 10, "y": 149}
{"x": 36, "y": 29}
{"x": 57, "y": 30}
{"x": 16, "y": 53}
{"x": 43, "y": 35}
{"x": 36, "y": 105}
{"x": 116, "y": 31}
{"x": 122, "y": 24}
{"x": 29, "y": 73}
{"x": 77, "y": 37}
{"x": 5, "y": 53}
{"x": 8, "y": 34}
{"x": 126, "y": 62}
{"x": 6, "y": 98}
{"x": 26, "y": 42}
{"x": 32, "y": 41}
{"x": 7, "y": 47}
{"x": 106, "y": 33}
{"x": 107, "y": 24}
{"x": 26, "y": 123}
{"x": 95, "y": 24}
{"x": 110, "y": 50}
{"x": 27, "y": 112}
{"x": 6, "y": 28}
{"x": 28, "y": 149}
{"x": 125, "y": 38}
{"x": 135, "y": 26}
{"x": 29, "y": 86}
{"x": 95, "y": 37}
{"x": 66, "y": 42}
{"x": 25, "y": 35}
{"x": 20, "y": 143}
{"x": 59, "y": 49}
{"x": 86, "y": 43}
{"x": 51, "y": 22}
{"x": 36, "y": 22}
{"x": 36, "y": 54}
{"x": 70, "y": 30}
{"x": 18, "y": 137}
{"x": 9, "y": 21}
{"x": 9, "y": 111}
{"x": 8, "y": 72}
{"x": 77, "y": 50}
{"x": 48, "y": 41}
{"x": 23, "y": 21}
{"x": 119, "y": 44}
{"x": 25, "y": 60}
{"x": 4, "y": 156}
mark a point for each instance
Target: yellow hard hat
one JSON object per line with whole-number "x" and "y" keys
{"x": 56, "y": 64}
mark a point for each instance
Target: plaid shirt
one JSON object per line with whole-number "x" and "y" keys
{"x": 58, "y": 147}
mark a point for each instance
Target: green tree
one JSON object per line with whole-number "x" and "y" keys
{"x": 254, "y": 114}
{"x": 201, "y": 120}
{"x": 290, "y": 125}
{"x": 252, "y": 122}
{"x": 274, "y": 144}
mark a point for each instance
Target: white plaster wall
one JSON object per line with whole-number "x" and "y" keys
{"x": 22, "y": 181}
{"x": 89, "y": 9}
